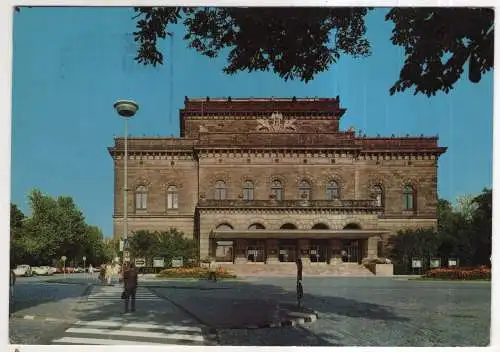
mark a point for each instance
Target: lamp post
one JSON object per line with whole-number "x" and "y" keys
{"x": 126, "y": 109}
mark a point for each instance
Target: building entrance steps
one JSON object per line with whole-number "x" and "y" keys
{"x": 289, "y": 269}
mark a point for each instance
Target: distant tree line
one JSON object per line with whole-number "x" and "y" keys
{"x": 55, "y": 228}
{"x": 464, "y": 232}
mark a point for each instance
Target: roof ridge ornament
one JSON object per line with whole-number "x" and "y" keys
{"x": 276, "y": 123}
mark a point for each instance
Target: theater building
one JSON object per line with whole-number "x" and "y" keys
{"x": 270, "y": 180}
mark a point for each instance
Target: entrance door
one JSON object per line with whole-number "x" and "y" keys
{"x": 318, "y": 251}
{"x": 287, "y": 251}
{"x": 351, "y": 251}
{"x": 256, "y": 251}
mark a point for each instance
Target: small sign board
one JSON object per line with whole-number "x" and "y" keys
{"x": 452, "y": 262}
{"x": 177, "y": 262}
{"x": 435, "y": 263}
{"x": 158, "y": 262}
{"x": 416, "y": 263}
{"x": 126, "y": 256}
{"x": 140, "y": 262}
{"x": 224, "y": 243}
{"x": 121, "y": 245}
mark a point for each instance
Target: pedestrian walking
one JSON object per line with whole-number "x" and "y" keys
{"x": 91, "y": 271}
{"x": 108, "y": 274}
{"x": 129, "y": 286}
{"x": 212, "y": 270}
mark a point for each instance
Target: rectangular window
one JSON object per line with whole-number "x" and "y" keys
{"x": 278, "y": 193}
{"x": 172, "y": 201}
{"x": 248, "y": 194}
{"x": 141, "y": 201}
{"x": 220, "y": 194}
{"x": 408, "y": 201}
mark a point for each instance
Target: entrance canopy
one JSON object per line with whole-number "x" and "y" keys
{"x": 296, "y": 234}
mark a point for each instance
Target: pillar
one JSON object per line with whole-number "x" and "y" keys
{"x": 372, "y": 247}
{"x": 335, "y": 249}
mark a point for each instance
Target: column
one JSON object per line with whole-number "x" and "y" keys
{"x": 372, "y": 247}
{"x": 272, "y": 251}
{"x": 303, "y": 246}
{"x": 335, "y": 249}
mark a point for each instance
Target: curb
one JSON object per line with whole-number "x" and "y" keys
{"x": 41, "y": 318}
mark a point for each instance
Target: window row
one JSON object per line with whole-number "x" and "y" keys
{"x": 277, "y": 191}
{"x": 141, "y": 198}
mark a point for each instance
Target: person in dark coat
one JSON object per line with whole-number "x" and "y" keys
{"x": 129, "y": 286}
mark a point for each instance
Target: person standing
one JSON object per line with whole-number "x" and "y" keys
{"x": 212, "y": 270}
{"x": 129, "y": 286}
{"x": 108, "y": 274}
{"x": 91, "y": 271}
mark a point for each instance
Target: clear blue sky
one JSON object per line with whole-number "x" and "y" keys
{"x": 71, "y": 64}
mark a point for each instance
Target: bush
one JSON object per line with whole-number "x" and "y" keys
{"x": 194, "y": 273}
{"x": 479, "y": 273}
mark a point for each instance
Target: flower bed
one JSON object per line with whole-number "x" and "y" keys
{"x": 194, "y": 273}
{"x": 480, "y": 273}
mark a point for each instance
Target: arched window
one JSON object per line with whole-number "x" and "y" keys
{"x": 332, "y": 191}
{"x": 409, "y": 197}
{"x": 141, "y": 198}
{"x": 277, "y": 190}
{"x": 172, "y": 197}
{"x": 220, "y": 190}
{"x": 248, "y": 190}
{"x": 305, "y": 190}
{"x": 378, "y": 193}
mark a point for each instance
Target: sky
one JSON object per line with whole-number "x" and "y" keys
{"x": 71, "y": 64}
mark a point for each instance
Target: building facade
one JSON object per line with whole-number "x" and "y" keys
{"x": 272, "y": 180}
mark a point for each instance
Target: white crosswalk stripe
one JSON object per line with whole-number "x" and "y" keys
{"x": 110, "y": 332}
{"x": 110, "y": 294}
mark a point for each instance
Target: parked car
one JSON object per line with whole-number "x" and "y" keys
{"x": 52, "y": 270}
{"x": 42, "y": 270}
{"x": 23, "y": 270}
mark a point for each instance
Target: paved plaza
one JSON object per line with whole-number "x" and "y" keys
{"x": 352, "y": 312}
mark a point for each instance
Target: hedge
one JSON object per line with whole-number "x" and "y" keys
{"x": 194, "y": 273}
{"x": 479, "y": 273}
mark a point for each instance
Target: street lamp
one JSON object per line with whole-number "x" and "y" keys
{"x": 126, "y": 109}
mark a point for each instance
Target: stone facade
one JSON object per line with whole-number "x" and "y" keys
{"x": 234, "y": 155}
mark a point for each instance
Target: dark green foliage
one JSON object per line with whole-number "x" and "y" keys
{"x": 469, "y": 240}
{"x": 56, "y": 228}
{"x": 299, "y": 43}
{"x": 167, "y": 244}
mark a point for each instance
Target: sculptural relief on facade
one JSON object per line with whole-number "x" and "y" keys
{"x": 276, "y": 123}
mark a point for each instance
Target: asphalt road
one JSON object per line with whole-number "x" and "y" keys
{"x": 353, "y": 312}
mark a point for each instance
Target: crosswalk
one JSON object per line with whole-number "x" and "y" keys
{"x": 111, "y": 294}
{"x": 113, "y": 332}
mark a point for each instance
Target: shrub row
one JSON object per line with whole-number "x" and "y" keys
{"x": 194, "y": 273}
{"x": 479, "y": 273}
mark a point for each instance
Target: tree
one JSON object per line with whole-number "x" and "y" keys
{"x": 298, "y": 43}
{"x": 17, "y": 246}
{"x": 142, "y": 243}
{"x": 56, "y": 228}
{"x": 172, "y": 244}
{"x": 482, "y": 223}
{"x": 466, "y": 206}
